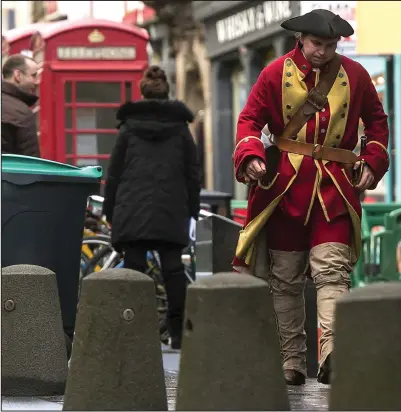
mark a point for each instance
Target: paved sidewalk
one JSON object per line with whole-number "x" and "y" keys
{"x": 311, "y": 397}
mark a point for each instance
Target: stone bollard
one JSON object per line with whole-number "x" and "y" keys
{"x": 34, "y": 358}
{"x": 367, "y": 350}
{"x": 116, "y": 361}
{"x": 230, "y": 359}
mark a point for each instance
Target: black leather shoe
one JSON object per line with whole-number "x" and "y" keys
{"x": 324, "y": 372}
{"x": 293, "y": 377}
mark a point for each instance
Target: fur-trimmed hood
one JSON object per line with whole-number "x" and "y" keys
{"x": 154, "y": 119}
{"x": 152, "y": 109}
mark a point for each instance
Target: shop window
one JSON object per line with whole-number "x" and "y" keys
{"x": 240, "y": 96}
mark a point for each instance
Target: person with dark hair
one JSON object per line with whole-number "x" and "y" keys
{"x": 153, "y": 187}
{"x": 18, "y": 125}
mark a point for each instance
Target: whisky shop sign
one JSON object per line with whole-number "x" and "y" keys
{"x": 252, "y": 20}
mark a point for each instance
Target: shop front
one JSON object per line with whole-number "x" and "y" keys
{"x": 242, "y": 37}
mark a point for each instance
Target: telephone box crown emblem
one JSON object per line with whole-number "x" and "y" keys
{"x": 96, "y": 37}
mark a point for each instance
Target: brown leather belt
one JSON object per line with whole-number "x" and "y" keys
{"x": 316, "y": 151}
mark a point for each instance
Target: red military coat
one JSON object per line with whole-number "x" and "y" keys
{"x": 280, "y": 89}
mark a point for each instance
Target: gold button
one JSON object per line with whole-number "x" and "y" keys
{"x": 343, "y": 83}
{"x": 303, "y": 67}
{"x": 323, "y": 110}
{"x": 288, "y": 63}
{"x": 345, "y": 105}
{"x": 322, "y": 130}
{"x": 246, "y": 140}
{"x": 341, "y": 75}
{"x": 323, "y": 119}
{"x": 289, "y": 74}
{"x": 338, "y": 136}
{"x": 289, "y": 107}
{"x": 287, "y": 84}
{"x": 343, "y": 115}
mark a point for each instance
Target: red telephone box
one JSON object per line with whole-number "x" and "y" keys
{"x": 90, "y": 67}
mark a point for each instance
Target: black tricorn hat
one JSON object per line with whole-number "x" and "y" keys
{"x": 321, "y": 23}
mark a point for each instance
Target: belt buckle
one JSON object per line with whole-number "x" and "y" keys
{"x": 317, "y": 152}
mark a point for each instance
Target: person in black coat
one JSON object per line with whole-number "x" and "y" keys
{"x": 153, "y": 187}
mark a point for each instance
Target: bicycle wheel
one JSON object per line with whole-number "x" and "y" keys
{"x": 105, "y": 257}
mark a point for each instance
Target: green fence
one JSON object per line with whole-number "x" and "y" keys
{"x": 378, "y": 261}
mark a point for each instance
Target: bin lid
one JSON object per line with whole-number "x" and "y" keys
{"x": 34, "y": 165}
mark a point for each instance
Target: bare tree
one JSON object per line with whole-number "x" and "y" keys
{"x": 187, "y": 38}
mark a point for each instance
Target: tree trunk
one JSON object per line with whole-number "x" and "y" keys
{"x": 203, "y": 62}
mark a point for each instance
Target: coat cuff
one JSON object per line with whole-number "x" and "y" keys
{"x": 377, "y": 158}
{"x": 246, "y": 148}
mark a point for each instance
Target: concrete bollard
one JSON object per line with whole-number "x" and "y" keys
{"x": 367, "y": 350}
{"x": 230, "y": 359}
{"x": 34, "y": 358}
{"x": 116, "y": 361}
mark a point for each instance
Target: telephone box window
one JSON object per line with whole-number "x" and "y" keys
{"x": 97, "y": 92}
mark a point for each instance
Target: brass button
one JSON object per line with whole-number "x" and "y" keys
{"x": 289, "y": 107}
{"x": 322, "y": 130}
{"x": 287, "y": 84}
{"x": 323, "y": 119}
{"x": 289, "y": 74}
{"x": 345, "y": 105}
{"x": 303, "y": 67}
{"x": 246, "y": 140}
{"x": 343, "y": 115}
{"x": 288, "y": 63}
{"x": 323, "y": 110}
{"x": 343, "y": 83}
{"x": 341, "y": 75}
{"x": 338, "y": 136}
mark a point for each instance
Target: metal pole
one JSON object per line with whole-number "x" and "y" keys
{"x": 387, "y": 106}
{"x": 397, "y": 125}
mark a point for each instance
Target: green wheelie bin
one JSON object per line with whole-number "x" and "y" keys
{"x": 42, "y": 220}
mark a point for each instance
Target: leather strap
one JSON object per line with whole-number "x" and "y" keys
{"x": 316, "y": 151}
{"x": 316, "y": 100}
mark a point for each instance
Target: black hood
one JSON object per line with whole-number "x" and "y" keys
{"x": 154, "y": 119}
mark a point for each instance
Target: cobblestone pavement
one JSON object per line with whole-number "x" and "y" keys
{"x": 311, "y": 397}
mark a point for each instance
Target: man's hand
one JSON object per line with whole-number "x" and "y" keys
{"x": 367, "y": 177}
{"x": 255, "y": 169}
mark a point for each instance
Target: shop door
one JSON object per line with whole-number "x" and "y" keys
{"x": 86, "y": 110}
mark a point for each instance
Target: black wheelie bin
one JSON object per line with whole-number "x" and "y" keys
{"x": 42, "y": 220}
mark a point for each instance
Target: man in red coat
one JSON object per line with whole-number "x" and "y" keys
{"x": 310, "y": 211}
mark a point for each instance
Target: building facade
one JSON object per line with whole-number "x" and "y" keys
{"x": 15, "y": 14}
{"x": 242, "y": 37}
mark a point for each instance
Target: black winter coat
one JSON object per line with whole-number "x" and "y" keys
{"x": 18, "y": 124}
{"x": 153, "y": 182}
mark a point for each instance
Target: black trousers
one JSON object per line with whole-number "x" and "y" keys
{"x": 173, "y": 273}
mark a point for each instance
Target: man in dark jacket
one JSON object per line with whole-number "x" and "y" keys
{"x": 18, "y": 125}
{"x": 153, "y": 188}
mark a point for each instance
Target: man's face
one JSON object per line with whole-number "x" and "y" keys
{"x": 317, "y": 50}
{"x": 26, "y": 78}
